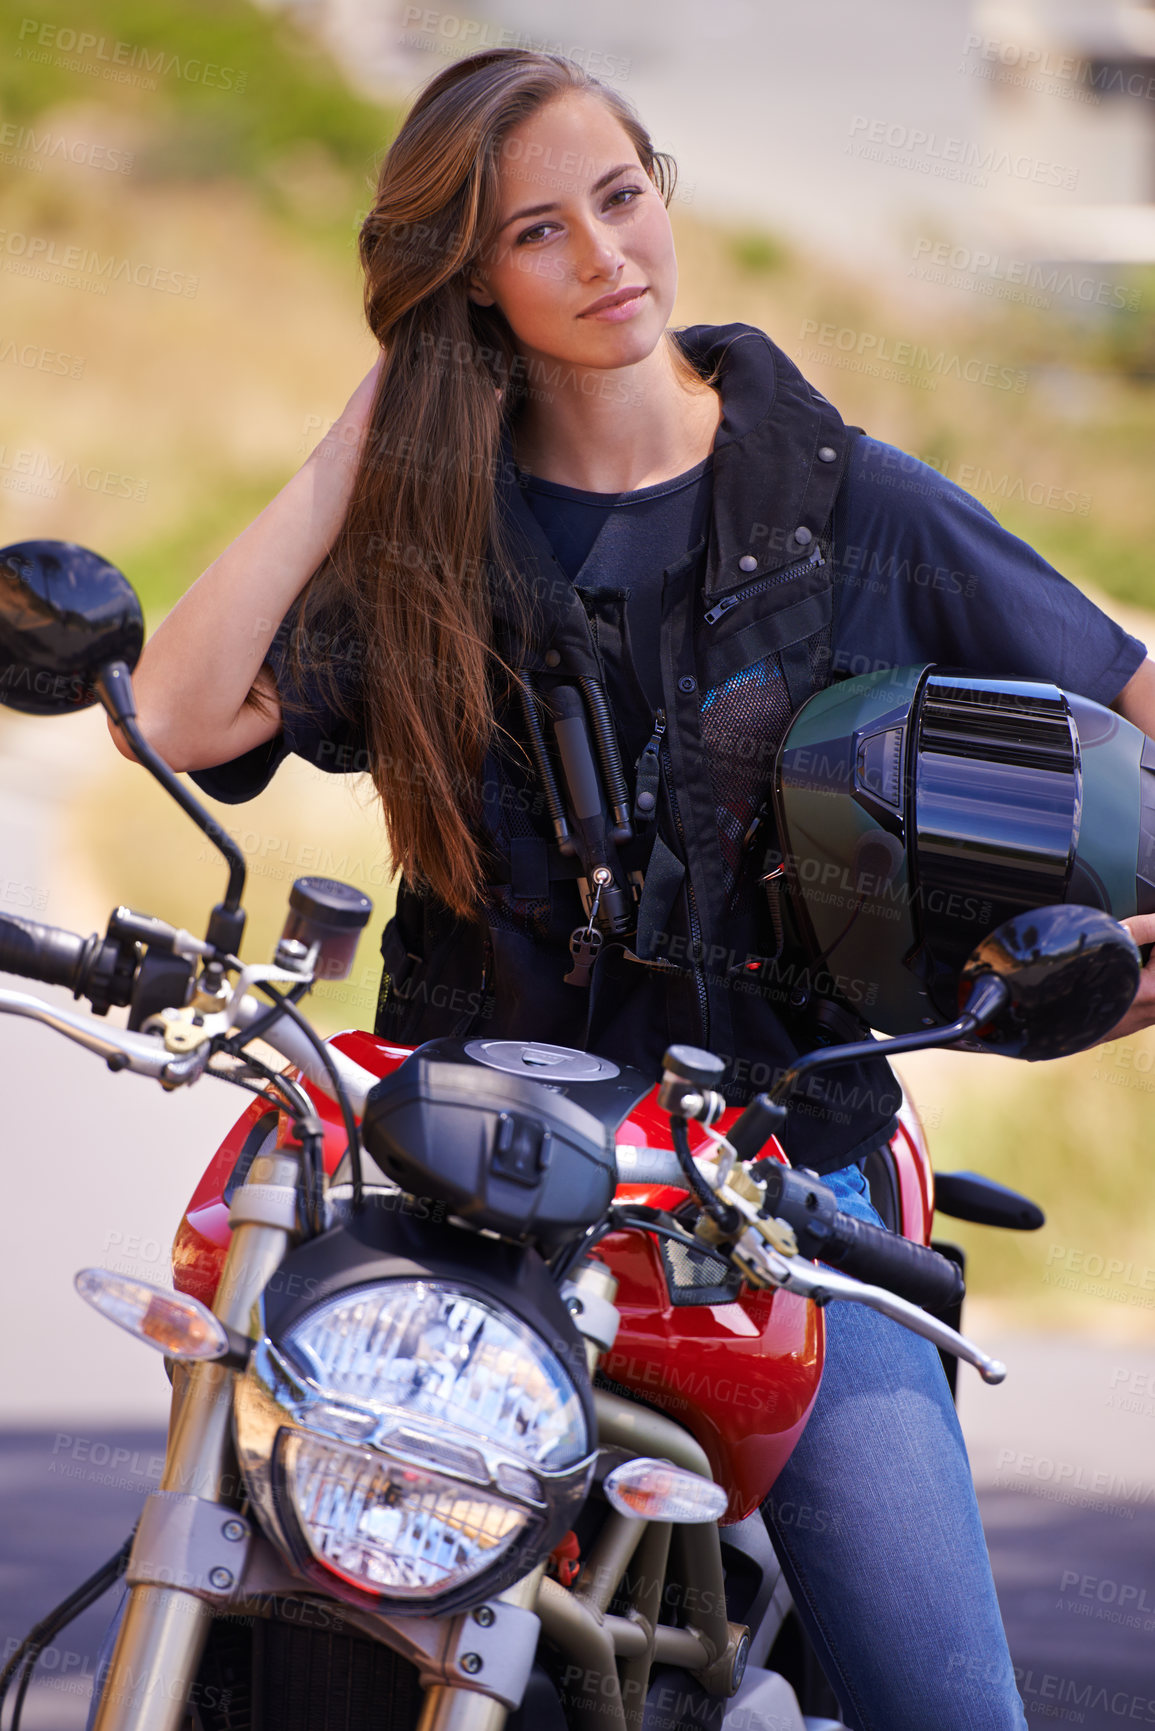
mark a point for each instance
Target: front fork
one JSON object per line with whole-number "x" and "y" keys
{"x": 188, "y": 1562}
{"x": 164, "y": 1627}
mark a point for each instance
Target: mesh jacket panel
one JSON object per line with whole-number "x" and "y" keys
{"x": 743, "y": 725}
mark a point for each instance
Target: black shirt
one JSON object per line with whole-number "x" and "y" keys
{"x": 638, "y": 534}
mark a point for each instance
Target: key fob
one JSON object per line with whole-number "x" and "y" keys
{"x": 584, "y": 944}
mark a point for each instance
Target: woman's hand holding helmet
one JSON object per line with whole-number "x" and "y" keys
{"x": 1142, "y": 1012}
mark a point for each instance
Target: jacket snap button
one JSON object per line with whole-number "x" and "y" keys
{"x": 826, "y": 453}
{"x": 687, "y": 683}
{"x": 645, "y": 801}
{"x": 552, "y": 658}
{"x": 803, "y": 536}
{"x": 747, "y": 562}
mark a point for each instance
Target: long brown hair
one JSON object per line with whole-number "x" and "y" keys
{"x": 414, "y": 562}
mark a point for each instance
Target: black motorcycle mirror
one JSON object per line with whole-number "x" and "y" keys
{"x": 1068, "y": 974}
{"x": 1042, "y": 985}
{"x": 71, "y": 631}
{"x": 64, "y": 614}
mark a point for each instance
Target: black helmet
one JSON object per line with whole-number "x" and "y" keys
{"x": 917, "y": 808}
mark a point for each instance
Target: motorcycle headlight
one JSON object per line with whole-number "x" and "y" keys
{"x": 413, "y": 1442}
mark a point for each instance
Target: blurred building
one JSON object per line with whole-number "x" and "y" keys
{"x": 871, "y": 133}
{"x": 1072, "y": 82}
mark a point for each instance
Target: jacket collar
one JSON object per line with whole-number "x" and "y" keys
{"x": 769, "y": 479}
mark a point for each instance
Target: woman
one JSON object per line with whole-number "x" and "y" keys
{"x": 540, "y": 483}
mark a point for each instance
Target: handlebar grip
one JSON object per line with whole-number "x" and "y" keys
{"x": 885, "y": 1259}
{"x": 46, "y": 953}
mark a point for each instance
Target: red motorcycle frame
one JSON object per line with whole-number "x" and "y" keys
{"x": 742, "y": 1376}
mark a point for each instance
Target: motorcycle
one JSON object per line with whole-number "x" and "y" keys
{"x": 460, "y": 1419}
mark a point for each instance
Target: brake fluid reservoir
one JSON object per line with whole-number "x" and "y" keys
{"x": 326, "y": 911}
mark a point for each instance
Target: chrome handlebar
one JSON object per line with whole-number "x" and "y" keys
{"x": 148, "y": 1055}
{"x": 764, "y": 1264}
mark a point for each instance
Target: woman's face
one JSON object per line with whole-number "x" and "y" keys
{"x": 579, "y": 220}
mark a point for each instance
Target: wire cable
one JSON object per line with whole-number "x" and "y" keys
{"x": 263, "y": 1023}
{"x": 636, "y": 1218}
{"x": 311, "y": 1193}
{"x": 352, "y": 1140}
{"x": 727, "y": 1218}
{"x": 25, "y": 1657}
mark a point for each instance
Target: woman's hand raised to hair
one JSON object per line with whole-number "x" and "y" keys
{"x": 197, "y": 671}
{"x": 360, "y": 404}
{"x": 345, "y": 437}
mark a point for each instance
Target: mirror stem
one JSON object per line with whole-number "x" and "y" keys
{"x": 113, "y": 686}
{"x": 988, "y": 996}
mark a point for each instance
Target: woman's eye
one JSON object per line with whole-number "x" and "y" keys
{"x": 626, "y": 192}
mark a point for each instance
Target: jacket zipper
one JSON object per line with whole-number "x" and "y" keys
{"x": 728, "y": 602}
{"x": 658, "y": 740}
{"x": 592, "y": 622}
{"x": 659, "y": 733}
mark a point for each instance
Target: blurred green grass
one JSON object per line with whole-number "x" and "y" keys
{"x": 1076, "y": 1136}
{"x": 272, "y": 101}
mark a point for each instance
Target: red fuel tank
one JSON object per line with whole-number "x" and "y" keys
{"x": 740, "y": 1372}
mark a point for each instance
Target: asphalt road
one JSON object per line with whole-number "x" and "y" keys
{"x": 1067, "y": 1501}
{"x": 1063, "y": 1457}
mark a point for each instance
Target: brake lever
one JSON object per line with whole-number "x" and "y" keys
{"x": 765, "y": 1254}
{"x": 762, "y": 1265}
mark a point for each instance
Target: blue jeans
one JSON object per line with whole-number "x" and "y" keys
{"x": 877, "y": 1527}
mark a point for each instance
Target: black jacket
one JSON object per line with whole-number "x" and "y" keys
{"x": 745, "y": 639}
